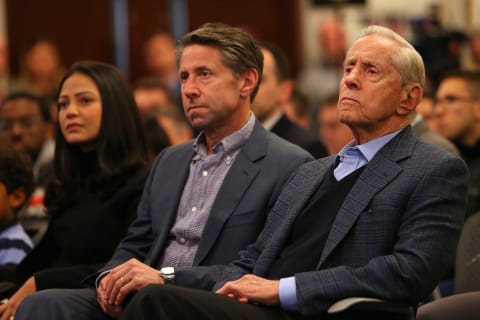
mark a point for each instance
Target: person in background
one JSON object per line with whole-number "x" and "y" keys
{"x": 457, "y": 108}
{"x": 4, "y": 67}
{"x": 25, "y": 123}
{"x": 320, "y": 78}
{"x": 154, "y": 101}
{"x": 152, "y": 94}
{"x": 41, "y": 68}
{"x": 298, "y": 108}
{"x": 207, "y": 199}
{"x": 274, "y": 92}
{"x": 16, "y": 185}
{"x": 159, "y": 61}
{"x": 333, "y": 133}
{"x": 100, "y": 168}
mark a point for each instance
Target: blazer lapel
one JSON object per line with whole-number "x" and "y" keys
{"x": 244, "y": 170}
{"x": 381, "y": 170}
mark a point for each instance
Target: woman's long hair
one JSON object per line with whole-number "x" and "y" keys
{"x": 120, "y": 146}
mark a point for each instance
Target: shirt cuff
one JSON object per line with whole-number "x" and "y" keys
{"x": 288, "y": 294}
{"x": 100, "y": 276}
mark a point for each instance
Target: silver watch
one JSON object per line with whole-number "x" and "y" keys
{"x": 167, "y": 274}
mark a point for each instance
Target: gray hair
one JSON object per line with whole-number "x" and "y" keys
{"x": 406, "y": 59}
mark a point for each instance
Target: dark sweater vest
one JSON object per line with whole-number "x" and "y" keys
{"x": 309, "y": 233}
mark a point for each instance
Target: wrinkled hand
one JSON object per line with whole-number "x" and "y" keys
{"x": 252, "y": 289}
{"x": 9, "y": 308}
{"x": 124, "y": 279}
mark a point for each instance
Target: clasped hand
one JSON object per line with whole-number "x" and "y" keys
{"x": 123, "y": 280}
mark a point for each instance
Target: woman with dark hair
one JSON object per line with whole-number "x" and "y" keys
{"x": 100, "y": 166}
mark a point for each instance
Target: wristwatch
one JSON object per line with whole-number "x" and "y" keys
{"x": 167, "y": 274}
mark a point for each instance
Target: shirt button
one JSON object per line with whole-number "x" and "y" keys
{"x": 194, "y": 209}
{"x": 182, "y": 240}
{"x": 229, "y": 158}
{"x": 205, "y": 173}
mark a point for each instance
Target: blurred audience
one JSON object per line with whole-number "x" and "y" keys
{"x": 4, "y": 67}
{"x": 159, "y": 60}
{"x": 100, "y": 167}
{"x": 151, "y": 94}
{"x": 321, "y": 78}
{"x": 457, "y": 106}
{"x": 472, "y": 62}
{"x": 274, "y": 92}
{"x": 16, "y": 184}
{"x": 25, "y": 123}
{"x": 154, "y": 101}
{"x": 333, "y": 133}
{"x": 40, "y": 68}
{"x": 298, "y": 108}
{"x": 426, "y": 109}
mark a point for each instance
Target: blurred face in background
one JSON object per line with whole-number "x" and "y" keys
{"x": 22, "y": 124}
{"x": 80, "y": 111}
{"x": 42, "y": 60}
{"x": 457, "y": 111}
{"x": 334, "y": 134}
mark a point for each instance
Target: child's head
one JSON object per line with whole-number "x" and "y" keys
{"x": 16, "y": 181}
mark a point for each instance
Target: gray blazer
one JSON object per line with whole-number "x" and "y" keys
{"x": 247, "y": 194}
{"x": 393, "y": 237}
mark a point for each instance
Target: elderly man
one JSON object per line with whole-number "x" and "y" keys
{"x": 380, "y": 219}
{"x": 204, "y": 200}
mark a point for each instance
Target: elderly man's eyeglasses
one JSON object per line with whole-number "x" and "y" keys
{"x": 451, "y": 100}
{"x": 24, "y": 122}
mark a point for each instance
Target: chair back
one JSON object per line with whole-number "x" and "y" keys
{"x": 467, "y": 262}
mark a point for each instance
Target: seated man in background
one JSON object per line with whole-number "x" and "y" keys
{"x": 205, "y": 200}
{"x": 381, "y": 219}
{"x": 16, "y": 185}
{"x": 457, "y": 107}
{"x": 274, "y": 92}
{"x": 333, "y": 133}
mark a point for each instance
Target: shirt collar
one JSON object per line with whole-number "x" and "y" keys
{"x": 228, "y": 144}
{"x": 369, "y": 148}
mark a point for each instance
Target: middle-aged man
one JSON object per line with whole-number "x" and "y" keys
{"x": 381, "y": 219}
{"x": 457, "y": 107}
{"x": 205, "y": 200}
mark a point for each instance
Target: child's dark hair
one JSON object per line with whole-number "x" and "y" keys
{"x": 15, "y": 169}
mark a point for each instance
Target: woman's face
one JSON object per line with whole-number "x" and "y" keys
{"x": 80, "y": 111}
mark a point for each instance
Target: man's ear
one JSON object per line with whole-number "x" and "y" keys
{"x": 250, "y": 80}
{"x": 17, "y": 198}
{"x": 411, "y": 96}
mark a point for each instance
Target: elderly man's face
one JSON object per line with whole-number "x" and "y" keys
{"x": 371, "y": 88}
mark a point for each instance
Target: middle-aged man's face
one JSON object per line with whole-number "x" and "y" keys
{"x": 455, "y": 109}
{"x": 370, "y": 89}
{"x": 268, "y": 98}
{"x": 210, "y": 92}
{"x": 22, "y": 124}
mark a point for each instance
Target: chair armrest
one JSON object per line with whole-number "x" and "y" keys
{"x": 373, "y": 305}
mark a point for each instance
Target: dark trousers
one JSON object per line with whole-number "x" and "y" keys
{"x": 171, "y": 302}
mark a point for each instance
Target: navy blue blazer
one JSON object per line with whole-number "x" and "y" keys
{"x": 394, "y": 236}
{"x": 247, "y": 194}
